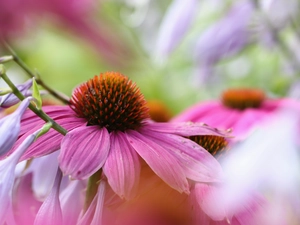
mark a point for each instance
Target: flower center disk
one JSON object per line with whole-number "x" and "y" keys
{"x": 110, "y": 100}
{"x": 213, "y": 144}
{"x": 243, "y": 98}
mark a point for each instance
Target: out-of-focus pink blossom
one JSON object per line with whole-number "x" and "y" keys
{"x": 267, "y": 162}
{"x": 248, "y": 110}
{"x": 71, "y": 15}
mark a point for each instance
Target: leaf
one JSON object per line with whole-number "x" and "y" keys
{"x": 36, "y": 94}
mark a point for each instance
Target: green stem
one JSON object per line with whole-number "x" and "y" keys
{"x": 18, "y": 60}
{"x": 38, "y": 112}
{"x": 92, "y": 188}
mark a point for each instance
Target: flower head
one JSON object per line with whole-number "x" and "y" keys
{"x": 239, "y": 109}
{"x": 108, "y": 128}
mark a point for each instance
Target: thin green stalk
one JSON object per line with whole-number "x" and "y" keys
{"x": 92, "y": 188}
{"x": 38, "y": 112}
{"x": 18, "y": 60}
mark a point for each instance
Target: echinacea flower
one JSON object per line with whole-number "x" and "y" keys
{"x": 239, "y": 109}
{"x": 109, "y": 128}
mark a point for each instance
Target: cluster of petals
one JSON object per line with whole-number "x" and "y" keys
{"x": 163, "y": 146}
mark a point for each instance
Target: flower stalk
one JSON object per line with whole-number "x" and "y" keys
{"x": 38, "y": 112}
{"x": 92, "y": 188}
{"x": 18, "y": 60}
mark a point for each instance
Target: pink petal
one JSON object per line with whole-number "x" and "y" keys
{"x": 185, "y": 129}
{"x": 122, "y": 167}
{"x": 25, "y": 204}
{"x": 197, "y": 111}
{"x": 50, "y": 211}
{"x": 72, "y": 199}
{"x": 49, "y": 142}
{"x": 30, "y": 120}
{"x": 199, "y": 164}
{"x": 84, "y": 151}
{"x": 162, "y": 162}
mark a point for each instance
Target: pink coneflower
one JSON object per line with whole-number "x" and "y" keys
{"x": 109, "y": 128}
{"x": 239, "y": 109}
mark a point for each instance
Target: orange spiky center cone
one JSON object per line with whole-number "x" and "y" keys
{"x": 110, "y": 100}
{"x": 243, "y": 98}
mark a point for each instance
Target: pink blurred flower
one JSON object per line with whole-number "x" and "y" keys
{"x": 17, "y": 16}
{"x": 239, "y": 109}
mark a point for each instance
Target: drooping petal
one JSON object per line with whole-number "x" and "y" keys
{"x": 163, "y": 163}
{"x": 10, "y": 127}
{"x": 49, "y": 142}
{"x": 84, "y": 151}
{"x": 199, "y": 165}
{"x": 71, "y": 199}
{"x": 30, "y": 120}
{"x": 122, "y": 167}
{"x": 50, "y": 211}
{"x": 185, "y": 129}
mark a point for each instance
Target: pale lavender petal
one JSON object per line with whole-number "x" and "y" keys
{"x": 199, "y": 165}
{"x": 94, "y": 214}
{"x": 185, "y": 129}
{"x": 177, "y": 20}
{"x": 122, "y": 167}
{"x": 7, "y": 175}
{"x": 72, "y": 198}
{"x": 84, "y": 151}
{"x": 44, "y": 172}
{"x": 226, "y": 37}
{"x": 11, "y": 99}
{"x": 163, "y": 163}
{"x": 50, "y": 211}
{"x": 10, "y": 127}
